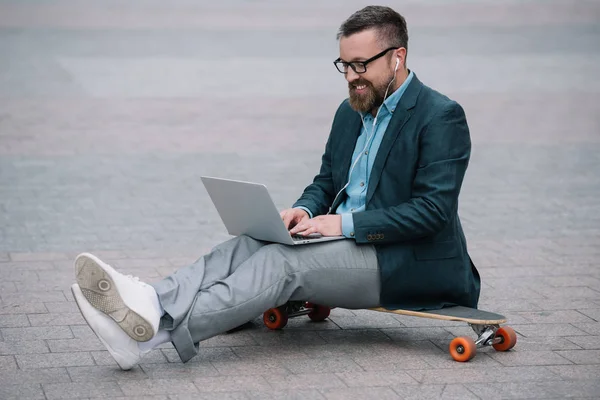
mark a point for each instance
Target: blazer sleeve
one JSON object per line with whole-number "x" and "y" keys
{"x": 318, "y": 196}
{"x": 444, "y": 151}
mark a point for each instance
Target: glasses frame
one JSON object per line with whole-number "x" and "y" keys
{"x": 351, "y": 64}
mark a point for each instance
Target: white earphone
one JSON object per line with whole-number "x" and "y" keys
{"x": 368, "y": 138}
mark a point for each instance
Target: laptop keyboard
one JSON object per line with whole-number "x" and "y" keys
{"x": 312, "y": 236}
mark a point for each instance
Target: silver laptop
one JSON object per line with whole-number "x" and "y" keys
{"x": 247, "y": 209}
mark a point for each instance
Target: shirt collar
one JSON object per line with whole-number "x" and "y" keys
{"x": 390, "y": 104}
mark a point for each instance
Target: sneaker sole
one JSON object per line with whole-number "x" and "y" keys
{"x": 99, "y": 289}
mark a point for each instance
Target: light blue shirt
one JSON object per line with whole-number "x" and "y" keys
{"x": 359, "y": 177}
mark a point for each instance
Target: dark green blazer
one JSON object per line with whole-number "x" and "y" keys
{"x": 412, "y": 199}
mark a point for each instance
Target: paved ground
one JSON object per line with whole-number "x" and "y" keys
{"x": 110, "y": 113}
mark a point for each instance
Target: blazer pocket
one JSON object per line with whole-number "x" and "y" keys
{"x": 436, "y": 251}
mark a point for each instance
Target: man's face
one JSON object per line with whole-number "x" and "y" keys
{"x": 366, "y": 90}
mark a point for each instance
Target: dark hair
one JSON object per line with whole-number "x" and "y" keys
{"x": 390, "y": 26}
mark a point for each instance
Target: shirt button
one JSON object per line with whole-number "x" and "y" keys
{"x": 352, "y": 209}
{"x": 366, "y": 152}
{"x": 352, "y": 234}
{"x": 362, "y": 184}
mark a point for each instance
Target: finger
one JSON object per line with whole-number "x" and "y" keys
{"x": 310, "y": 231}
{"x": 301, "y": 227}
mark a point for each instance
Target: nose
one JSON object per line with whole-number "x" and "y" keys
{"x": 351, "y": 76}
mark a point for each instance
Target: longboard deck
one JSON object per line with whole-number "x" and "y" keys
{"x": 456, "y": 313}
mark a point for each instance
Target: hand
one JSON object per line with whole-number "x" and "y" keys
{"x": 293, "y": 216}
{"x": 326, "y": 225}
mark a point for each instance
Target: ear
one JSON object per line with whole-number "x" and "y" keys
{"x": 401, "y": 55}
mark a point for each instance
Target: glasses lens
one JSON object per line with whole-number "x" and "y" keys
{"x": 340, "y": 66}
{"x": 359, "y": 67}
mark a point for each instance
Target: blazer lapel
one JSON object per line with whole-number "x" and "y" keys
{"x": 401, "y": 115}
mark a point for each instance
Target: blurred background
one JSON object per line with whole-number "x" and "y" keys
{"x": 111, "y": 111}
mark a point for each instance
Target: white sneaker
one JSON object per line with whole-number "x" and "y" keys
{"x": 121, "y": 347}
{"x": 132, "y": 304}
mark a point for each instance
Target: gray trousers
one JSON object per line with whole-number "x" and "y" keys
{"x": 243, "y": 277}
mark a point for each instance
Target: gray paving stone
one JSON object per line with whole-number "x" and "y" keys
{"x": 325, "y": 365}
{"x": 32, "y": 297}
{"x": 158, "y": 397}
{"x": 104, "y": 373}
{"x": 245, "y": 367}
{"x": 352, "y": 350}
{"x": 474, "y": 375}
{"x": 28, "y": 391}
{"x": 75, "y": 390}
{"x": 7, "y": 287}
{"x": 234, "y": 339}
{"x": 37, "y": 256}
{"x": 7, "y": 363}
{"x": 231, "y": 383}
{"x": 23, "y": 347}
{"x": 179, "y": 370}
{"x": 60, "y": 319}
{"x": 585, "y": 342}
{"x": 378, "y": 378}
{"x": 285, "y": 337}
{"x": 560, "y": 316}
{"x": 362, "y": 337}
{"x": 576, "y": 372}
{"x": 361, "y": 393}
{"x": 535, "y": 330}
{"x": 35, "y": 376}
{"x": 393, "y": 363}
{"x": 306, "y": 381}
{"x": 299, "y": 394}
{"x": 61, "y": 307}
{"x": 262, "y": 353}
{"x": 13, "y": 320}
{"x": 425, "y": 392}
{"x": 547, "y": 343}
{"x": 592, "y": 328}
{"x": 52, "y": 360}
{"x": 36, "y": 332}
{"x": 580, "y": 292}
{"x": 581, "y": 356}
{"x": 592, "y": 313}
{"x": 515, "y": 357}
{"x": 71, "y": 345}
{"x": 213, "y": 395}
{"x": 22, "y": 308}
{"x": 546, "y": 390}
{"x": 156, "y": 387}
{"x": 566, "y": 304}
{"x": 83, "y": 332}
{"x": 444, "y": 360}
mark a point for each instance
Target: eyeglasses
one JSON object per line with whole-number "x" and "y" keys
{"x": 360, "y": 67}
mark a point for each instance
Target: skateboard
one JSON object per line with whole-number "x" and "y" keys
{"x": 463, "y": 348}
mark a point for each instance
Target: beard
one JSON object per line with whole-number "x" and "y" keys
{"x": 372, "y": 98}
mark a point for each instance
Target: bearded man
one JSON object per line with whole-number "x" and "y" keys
{"x": 389, "y": 182}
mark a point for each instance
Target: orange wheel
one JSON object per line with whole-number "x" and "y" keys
{"x": 463, "y": 348}
{"x": 319, "y": 313}
{"x": 509, "y": 339}
{"x": 275, "y": 318}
